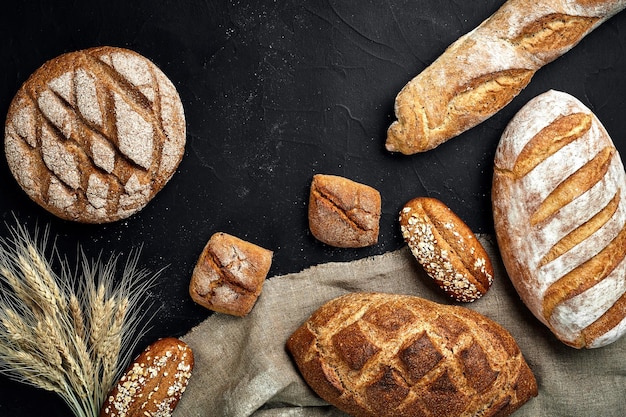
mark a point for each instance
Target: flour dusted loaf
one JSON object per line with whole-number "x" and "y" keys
{"x": 389, "y": 355}
{"x": 93, "y": 135}
{"x": 559, "y": 205}
{"x": 485, "y": 69}
{"x": 229, "y": 275}
{"x": 446, "y": 248}
{"x": 154, "y": 383}
{"x": 343, "y": 213}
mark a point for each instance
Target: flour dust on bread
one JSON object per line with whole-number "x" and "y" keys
{"x": 93, "y": 135}
{"x": 485, "y": 69}
{"x": 391, "y": 355}
{"x": 559, "y": 206}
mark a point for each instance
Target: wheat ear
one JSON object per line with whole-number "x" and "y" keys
{"x": 72, "y": 332}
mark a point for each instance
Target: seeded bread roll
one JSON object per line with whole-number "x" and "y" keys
{"x": 559, "y": 205}
{"x": 154, "y": 383}
{"x": 388, "y": 355}
{"x": 343, "y": 213}
{"x": 93, "y": 135}
{"x": 446, "y": 248}
{"x": 229, "y": 275}
{"x": 485, "y": 69}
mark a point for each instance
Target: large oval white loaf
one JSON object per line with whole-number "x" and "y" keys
{"x": 559, "y": 205}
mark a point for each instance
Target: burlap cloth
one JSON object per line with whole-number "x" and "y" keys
{"x": 242, "y": 368}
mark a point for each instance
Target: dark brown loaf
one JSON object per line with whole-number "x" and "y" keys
{"x": 154, "y": 383}
{"x": 93, "y": 135}
{"x": 446, "y": 248}
{"x": 387, "y": 355}
{"x": 229, "y": 275}
{"x": 343, "y": 213}
{"x": 485, "y": 69}
{"x": 559, "y": 204}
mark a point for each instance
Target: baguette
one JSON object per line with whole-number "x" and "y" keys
{"x": 485, "y": 69}
{"x": 559, "y": 206}
{"x": 391, "y": 355}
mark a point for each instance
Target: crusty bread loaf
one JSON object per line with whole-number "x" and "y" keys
{"x": 559, "y": 205}
{"x": 229, "y": 275}
{"x": 343, "y": 213}
{"x": 93, "y": 135}
{"x": 446, "y": 248}
{"x": 485, "y": 69}
{"x": 389, "y": 355}
{"x": 154, "y": 383}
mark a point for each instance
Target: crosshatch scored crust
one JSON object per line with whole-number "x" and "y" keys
{"x": 446, "y": 248}
{"x": 93, "y": 135}
{"x": 384, "y": 355}
{"x": 153, "y": 383}
{"x": 561, "y": 222}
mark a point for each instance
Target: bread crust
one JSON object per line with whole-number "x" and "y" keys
{"x": 446, "y": 248}
{"x": 93, "y": 135}
{"x": 154, "y": 383}
{"x": 485, "y": 69}
{"x": 559, "y": 206}
{"x": 376, "y": 354}
{"x": 343, "y": 213}
{"x": 229, "y": 275}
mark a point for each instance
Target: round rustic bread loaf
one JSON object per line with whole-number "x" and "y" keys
{"x": 93, "y": 135}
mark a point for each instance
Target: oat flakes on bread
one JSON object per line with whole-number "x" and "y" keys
{"x": 559, "y": 207}
{"x": 342, "y": 212}
{"x": 485, "y": 69}
{"x": 229, "y": 275}
{"x": 93, "y": 135}
{"x": 389, "y": 355}
{"x": 446, "y": 248}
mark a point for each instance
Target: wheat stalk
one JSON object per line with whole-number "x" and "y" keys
{"x": 73, "y": 332}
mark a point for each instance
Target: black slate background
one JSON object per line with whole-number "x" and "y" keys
{"x": 274, "y": 92}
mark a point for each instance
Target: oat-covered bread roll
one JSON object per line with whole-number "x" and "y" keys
{"x": 343, "y": 213}
{"x": 229, "y": 275}
{"x": 93, "y": 135}
{"x": 388, "y": 355}
{"x": 559, "y": 206}
{"x": 485, "y": 69}
{"x": 446, "y": 248}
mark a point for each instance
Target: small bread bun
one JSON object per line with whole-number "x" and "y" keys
{"x": 229, "y": 275}
{"x": 446, "y": 248}
{"x": 93, "y": 135}
{"x": 154, "y": 383}
{"x": 343, "y": 213}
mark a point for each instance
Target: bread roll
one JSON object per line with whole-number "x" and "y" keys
{"x": 343, "y": 213}
{"x": 485, "y": 69}
{"x": 388, "y": 355}
{"x": 93, "y": 135}
{"x": 229, "y": 275}
{"x": 154, "y": 383}
{"x": 446, "y": 248}
{"x": 559, "y": 206}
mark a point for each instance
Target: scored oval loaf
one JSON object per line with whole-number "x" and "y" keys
{"x": 154, "y": 383}
{"x": 559, "y": 206}
{"x": 390, "y": 355}
{"x": 446, "y": 248}
{"x": 93, "y": 135}
{"x": 485, "y": 69}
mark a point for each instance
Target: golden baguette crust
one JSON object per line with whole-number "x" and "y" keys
{"x": 384, "y": 355}
{"x": 446, "y": 248}
{"x": 559, "y": 205}
{"x": 93, "y": 135}
{"x": 485, "y": 69}
{"x": 154, "y": 383}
